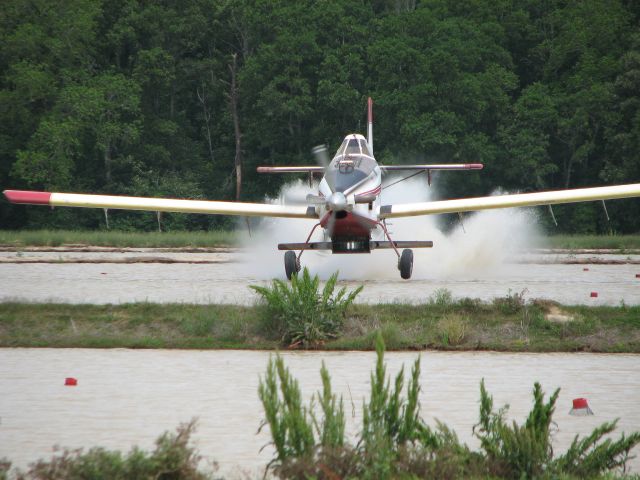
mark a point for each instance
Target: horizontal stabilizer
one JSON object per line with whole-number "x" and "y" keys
{"x": 435, "y": 166}
{"x": 303, "y": 169}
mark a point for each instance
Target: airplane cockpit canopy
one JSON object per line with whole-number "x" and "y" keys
{"x": 354, "y": 146}
{"x": 352, "y": 164}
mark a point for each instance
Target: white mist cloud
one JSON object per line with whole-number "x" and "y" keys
{"x": 488, "y": 238}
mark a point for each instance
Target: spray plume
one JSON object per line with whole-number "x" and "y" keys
{"x": 482, "y": 246}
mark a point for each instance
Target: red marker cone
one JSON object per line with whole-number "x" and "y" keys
{"x": 70, "y": 382}
{"x": 580, "y": 408}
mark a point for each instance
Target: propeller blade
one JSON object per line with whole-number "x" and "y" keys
{"x": 321, "y": 154}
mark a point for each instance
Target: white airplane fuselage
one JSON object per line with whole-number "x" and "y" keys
{"x": 351, "y": 186}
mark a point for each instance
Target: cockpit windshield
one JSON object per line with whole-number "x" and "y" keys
{"x": 351, "y": 165}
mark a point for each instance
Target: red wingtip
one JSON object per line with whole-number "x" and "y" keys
{"x": 24, "y": 196}
{"x": 475, "y": 166}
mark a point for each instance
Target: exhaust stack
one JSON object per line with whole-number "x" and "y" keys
{"x": 370, "y": 124}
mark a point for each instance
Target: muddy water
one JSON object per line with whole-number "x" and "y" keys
{"x": 224, "y": 276}
{"x": 127, "y": 397}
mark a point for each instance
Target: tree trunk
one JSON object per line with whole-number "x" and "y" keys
{"x": 233, "y": 99}
{"x": 207, "y": 118}
{"x": 107, "y": 162}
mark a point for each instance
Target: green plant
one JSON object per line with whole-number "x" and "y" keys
{"x": 289, "y": 422}
{"x": 390, "y": 422}
{"x": 301, "y": 313}
{"x": 172, "y": 458}
{"x": 452, "y": 329}
{"x": 395, "y": 442}
{"x": 510, "y": 449}
{"x": 442, "y": 297}
{"x": 512, "y": 302}
{"x": 5, "y": 466}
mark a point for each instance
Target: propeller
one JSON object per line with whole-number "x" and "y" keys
{"x": 321, "y": 154}
{"x": 337, "y": 203}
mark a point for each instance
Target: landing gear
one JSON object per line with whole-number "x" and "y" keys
{"x": 405, "y": 263}
{"x": 291, "y": 265}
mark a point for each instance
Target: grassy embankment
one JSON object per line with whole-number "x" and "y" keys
{"x": 579, "y": 242}
{"x": 504, "y": 325}
{"x": 112, "y": 238}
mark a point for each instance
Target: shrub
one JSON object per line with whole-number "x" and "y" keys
{"x": 300, "y": 313}
{"x": 395, "y": 442}
{"x": 442, "y": 297}
{"x": 512, "y": 302}
{"x": 452, "y": 329}
{"x": 173, "y": 458}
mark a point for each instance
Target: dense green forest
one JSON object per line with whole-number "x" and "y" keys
{"x": 163, "y": 97}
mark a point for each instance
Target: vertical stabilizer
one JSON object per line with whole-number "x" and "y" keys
{"x": 370, "y": 124}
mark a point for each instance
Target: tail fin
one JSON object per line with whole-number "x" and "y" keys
{"x": 370, "y": 124}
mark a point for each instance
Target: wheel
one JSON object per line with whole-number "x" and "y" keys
{"x": 291, "y": 264}
{"x": 405, "y": 264}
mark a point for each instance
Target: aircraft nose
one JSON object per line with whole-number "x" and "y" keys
{"x": 337, "y": 202}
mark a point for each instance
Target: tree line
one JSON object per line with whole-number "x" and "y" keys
{"x": 184, "y": 98}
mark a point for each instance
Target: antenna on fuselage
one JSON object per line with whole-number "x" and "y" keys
{"x": 370, "y": 124}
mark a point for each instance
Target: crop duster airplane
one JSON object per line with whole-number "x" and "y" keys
{"x": 347, "y": 205}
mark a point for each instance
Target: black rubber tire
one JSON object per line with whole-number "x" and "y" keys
{"x": 291, "y": 264}
{"x": 405, "y": 264}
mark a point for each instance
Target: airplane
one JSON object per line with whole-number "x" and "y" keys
{"x": 348, "y": 205}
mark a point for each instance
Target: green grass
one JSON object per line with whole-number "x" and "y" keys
{"x": 576, "y": 242}
{"x": 112, "y": 238}
{"x": 465, "y": 324}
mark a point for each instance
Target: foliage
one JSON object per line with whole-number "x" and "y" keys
{"x": 395, "y": 442}
{"x": 442, "y": 297}
{"x": 300, "y": 313}
{"x": 173, "y": 457}
{"x": 453, "y": 329}
{"x": 117, "y": 238}
{"x": 295, "y": 430}
{"x": 124, "y": 97}
{"x": 512, "y": 302}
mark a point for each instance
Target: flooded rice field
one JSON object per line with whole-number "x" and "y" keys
{"x": 223, "y": 275}
{"x": 128, "y": 397}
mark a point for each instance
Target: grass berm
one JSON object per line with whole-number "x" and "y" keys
{"x": 506, "y": 324}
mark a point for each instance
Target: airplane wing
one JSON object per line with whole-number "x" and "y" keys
{"x": 441, "y": 166}
{"x": 508, "y": 201}
{"x": 158, "y": 204}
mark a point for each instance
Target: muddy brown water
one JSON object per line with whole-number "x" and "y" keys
{"x": 128, "y": 397}
{"x": 224, "y": 276}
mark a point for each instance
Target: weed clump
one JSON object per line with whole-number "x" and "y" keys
{"x": 395, "y": 441}
{"x": 452, "y": 330}
{"x": 442, "y": 297}
{"x": 302, "y": 314}
{"x": 512, "y": 302}
{"x": 173, "y": 458}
